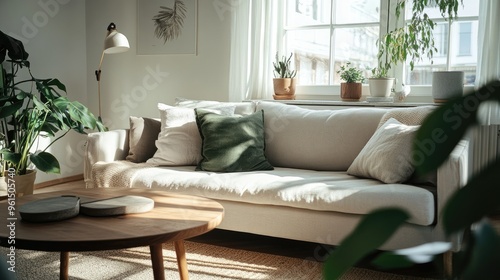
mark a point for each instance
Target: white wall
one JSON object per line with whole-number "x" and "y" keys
{"x": 53, "y": 33}
{"x": 65, "y": 38}
{"x": 123, "y": 93}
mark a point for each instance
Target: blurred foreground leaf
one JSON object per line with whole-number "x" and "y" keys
{"x": 371, "y": 233}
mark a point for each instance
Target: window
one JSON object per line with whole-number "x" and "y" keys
{"x": 454, "y": 43}
{"x": 324, "y": 34}
{"x": 322, "y": 38}
{"x": 441, "y": 39}
{"x": 465, "y": 39}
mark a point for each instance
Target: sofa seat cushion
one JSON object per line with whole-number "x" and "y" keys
{"x": 307, "y": 189}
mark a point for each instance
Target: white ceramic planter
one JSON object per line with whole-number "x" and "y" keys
{"x": 447, "y": 85}
{"x": 380, "y": 87}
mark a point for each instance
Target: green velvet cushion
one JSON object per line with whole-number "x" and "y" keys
{"x": 231, "y": 143}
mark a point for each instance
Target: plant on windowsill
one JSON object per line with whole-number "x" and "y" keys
{"x": 32, "y": 108}
{"x": 284, "y": 78}
{"x": 351, "y": 90}
{"x": 410, "y": 43}
{"x": 467, "y": 211}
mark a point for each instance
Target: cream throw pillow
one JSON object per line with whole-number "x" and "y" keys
{"x": 408, "y": 116}
{"x": 388, "y": 154}
{"x": 179, "y": 141}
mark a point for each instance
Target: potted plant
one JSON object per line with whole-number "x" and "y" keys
{"x": 411, "y": 43}
{"x": 351, "y": 90}
{"x": 33, "y": 108}
{"x": 284, "y": 78}
{"x": 379, "y": 83}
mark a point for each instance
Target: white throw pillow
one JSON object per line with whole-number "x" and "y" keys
{"x": 241, "y": 108}
{"x": 179, "y": 141}
{"x": 388, "y": 154}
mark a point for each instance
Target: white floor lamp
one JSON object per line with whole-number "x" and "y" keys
{"x": 114, "y": 42}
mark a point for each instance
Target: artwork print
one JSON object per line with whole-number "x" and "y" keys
{"x": 167, "y": 26}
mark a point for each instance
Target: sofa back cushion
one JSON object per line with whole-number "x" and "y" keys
{"x": 316, "y": 139}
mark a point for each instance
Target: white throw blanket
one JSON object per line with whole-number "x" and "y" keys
{"x": 298, "y": 188}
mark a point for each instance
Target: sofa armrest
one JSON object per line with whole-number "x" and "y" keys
{"x": 105, "y": 146}
{"x": 452, "y": 175}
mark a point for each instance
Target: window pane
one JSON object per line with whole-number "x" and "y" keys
{"x": 463, "y": 54}
{"x": 456, "y": 47}
{"x": 311, "y": 50}
{"x": 465, "y": 39}
{"x": 470, "y": 8}
{"x": 464, "y": 49}
{"x": 441, "y": 38}
{"x": 308, "y": 12}
{"x": 355, "y": 45}
{"x": 356, "y": 11}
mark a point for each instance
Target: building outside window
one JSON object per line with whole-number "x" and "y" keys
{"x": 456, "y": 44}
{"x": 465, "y": 43}
{"x": 324, "y": 34}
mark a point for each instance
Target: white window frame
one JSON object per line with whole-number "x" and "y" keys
{"x": 419, "y": 93}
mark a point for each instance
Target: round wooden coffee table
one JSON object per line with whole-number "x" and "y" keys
{"x": 173, "y": 219}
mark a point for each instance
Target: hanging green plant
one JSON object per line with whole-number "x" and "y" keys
{"x": 415, "y": 40}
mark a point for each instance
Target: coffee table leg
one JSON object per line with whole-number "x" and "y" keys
{"x": 157, "y": 261}
{"x": 63, "y": 266}
{"x": 181, "y": 259}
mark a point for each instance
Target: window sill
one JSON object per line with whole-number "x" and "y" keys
{"x": 333, "y": 103}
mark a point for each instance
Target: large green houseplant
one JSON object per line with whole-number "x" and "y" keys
{"x": 414, "y": 41}
{"x": 468, "y": 208}
{"x": 31, "y": 108}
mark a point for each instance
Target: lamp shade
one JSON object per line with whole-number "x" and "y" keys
{"x": 115, "y": 42}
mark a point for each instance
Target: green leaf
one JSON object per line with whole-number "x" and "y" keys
{"x": 11, "y": 109}
{"x": 471, "y": 203}
{"x": 374, "y": 230}
{"x": 485, "y": 258}
{"x": 389, "y": 260}
{"x": 46, "y": 162}
{"x": 39, "y": 105}
{"x": 13, "y": 158}
{"x": 408, "y": 257}
{"x": 55, "y": 82}
{"x": 443, "y": 129}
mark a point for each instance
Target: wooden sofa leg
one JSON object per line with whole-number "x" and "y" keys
{"x": 448, "y": 264}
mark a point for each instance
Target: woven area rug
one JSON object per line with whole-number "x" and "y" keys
{"x": 205, "y": 262}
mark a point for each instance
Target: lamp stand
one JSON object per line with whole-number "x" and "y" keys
{"x": 114, "y": 42}
{"x": 98, "y": 78}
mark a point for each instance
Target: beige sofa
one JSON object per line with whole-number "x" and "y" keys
{"x": 311, "y": 194}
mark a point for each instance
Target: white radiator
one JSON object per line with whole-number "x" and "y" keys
{"x": 485, "y": 146}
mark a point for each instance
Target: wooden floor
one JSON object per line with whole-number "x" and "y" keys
{"x": 271, "y": 245}
{"x": 80, "y": 184}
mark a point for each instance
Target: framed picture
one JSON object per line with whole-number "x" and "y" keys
{"x": 167, "y": 27}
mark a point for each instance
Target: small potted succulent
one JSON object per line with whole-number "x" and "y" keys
{"x": 284, "y": 78}
{"x": 351, "y": 89}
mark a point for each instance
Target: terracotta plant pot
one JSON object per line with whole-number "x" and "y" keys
{"x": 350, "y": 91}
{"x": 23, "y": 183}
{"x": 284, "y": 88}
